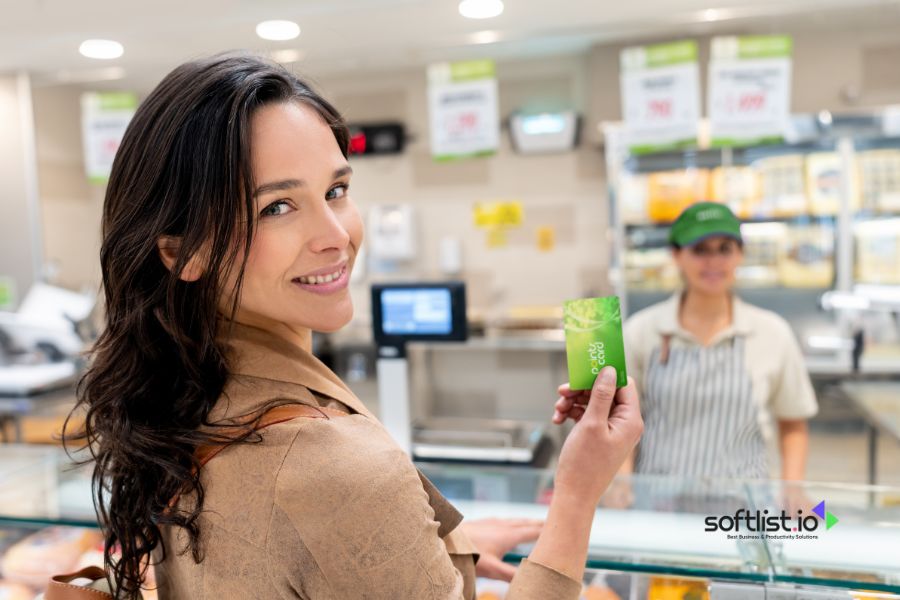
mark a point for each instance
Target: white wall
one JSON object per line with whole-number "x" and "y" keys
{"x": 837, "y": 70}
{"x": 19, "y": 226}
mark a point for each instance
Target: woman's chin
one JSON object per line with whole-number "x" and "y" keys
{"x": 332, "y": 322}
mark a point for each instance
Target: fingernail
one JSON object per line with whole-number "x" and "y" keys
{"x": 608, "y": 374}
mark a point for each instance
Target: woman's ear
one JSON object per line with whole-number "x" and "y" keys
{"x": 169, "y": 247}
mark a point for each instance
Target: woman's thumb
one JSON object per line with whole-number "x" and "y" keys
{"x": 602, "y": 394}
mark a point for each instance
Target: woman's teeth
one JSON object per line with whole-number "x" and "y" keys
{"x": 318, "y": 279}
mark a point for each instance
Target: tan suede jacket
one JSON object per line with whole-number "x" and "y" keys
{"x": 322, "y": 509}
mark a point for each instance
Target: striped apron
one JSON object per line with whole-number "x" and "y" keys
{"x": 700, "y": 419}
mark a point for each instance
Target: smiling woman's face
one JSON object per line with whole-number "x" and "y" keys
{"x": 308, "y": 229}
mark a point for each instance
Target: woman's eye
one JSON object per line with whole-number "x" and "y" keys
{"x": 275, "y": 209}
{"x": 338, "y": 191}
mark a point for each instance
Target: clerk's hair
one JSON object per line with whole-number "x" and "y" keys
{"x": 182, "y": 170}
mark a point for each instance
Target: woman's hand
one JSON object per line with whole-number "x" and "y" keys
{"x": 608, "y": 426}
{"x": 494, "y": 538}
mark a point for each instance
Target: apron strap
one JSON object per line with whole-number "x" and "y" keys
{"x": 664, "y": 348}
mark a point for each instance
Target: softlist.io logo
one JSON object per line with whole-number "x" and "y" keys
{"x": 830, "y": 519}
{"x": 757, "y": 524}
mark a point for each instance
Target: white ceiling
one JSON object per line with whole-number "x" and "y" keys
{"x": 343, "y": 36}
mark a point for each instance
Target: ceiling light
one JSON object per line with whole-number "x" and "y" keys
{"x": 480, "y": 9}
{"x": 484, "y": 37}
{"x": 102, "y": 49}
{"x": 287, "y": 55}
{"x": 278, "y": 30}
{"x": 710, "y": 15}
{"x": 90, "y": 75}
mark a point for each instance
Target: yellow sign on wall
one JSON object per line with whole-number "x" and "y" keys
{"x": 498, "y": 214}
{"x": 546, "y": 238}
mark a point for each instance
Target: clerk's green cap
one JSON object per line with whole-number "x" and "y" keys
{"x": 704, "y": 220}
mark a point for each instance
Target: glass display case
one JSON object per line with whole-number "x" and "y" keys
{"x": 821, "y": 213}
{"x": 659, "y": 538}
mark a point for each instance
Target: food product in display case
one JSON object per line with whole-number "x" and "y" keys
{"x": 806, "y": 257}
{"x": 33, "y": 560}
{"x": 673, "y": 588}
{"x": 492, "y": 589}
{"x": 633, "y": 192}
{"x": 738, "y": 187}
{"x": 651, "y": 269}
{"x": 879, "y": 175}
{"x": 824, "y": 183}
{"x": 10, "y": 590}
{"x": 670, "y": 192}
{"x": 762, "y": 242}
{"x": 782, "y": 187}
{"x": 878, "y": 251}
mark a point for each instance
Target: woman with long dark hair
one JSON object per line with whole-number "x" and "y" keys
{"x": 228, "y": 235}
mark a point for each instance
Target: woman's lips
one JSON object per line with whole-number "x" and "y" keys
{"x": 327, "y": 288}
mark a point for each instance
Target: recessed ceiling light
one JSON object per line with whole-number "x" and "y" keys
{"x": 90, "y": 75}
{"x": 484, "y": 37}
{"x": 278, "y": 30}
{"x": 287, "y": 55}
{"x": 480, "y": 9}
{"x": 102, "y": 49}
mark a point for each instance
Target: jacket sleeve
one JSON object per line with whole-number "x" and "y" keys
{"x": 349, "y": 505}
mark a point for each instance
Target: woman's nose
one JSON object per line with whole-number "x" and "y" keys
{"x": 328, "y": 231}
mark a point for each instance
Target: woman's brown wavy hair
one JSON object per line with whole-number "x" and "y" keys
{"x": 182, "y": 170}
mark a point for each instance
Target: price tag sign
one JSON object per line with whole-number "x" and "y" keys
{"x": 660, "y": 96}
{"x": 104, "y": 118}
{"x": 463, "y": 114}
{"x": 749, "y": 89}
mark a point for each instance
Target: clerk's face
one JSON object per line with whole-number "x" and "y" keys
{"x": 308, "y": 229}
{"x": 709, "y": 266}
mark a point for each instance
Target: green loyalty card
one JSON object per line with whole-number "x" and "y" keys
{"x": 593, "y": 340}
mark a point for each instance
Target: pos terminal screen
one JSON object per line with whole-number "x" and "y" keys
{"x": 416, "y": 312}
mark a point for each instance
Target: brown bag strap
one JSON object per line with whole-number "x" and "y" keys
{"x": 279, "y": 414}
{"x": 61, "y": 588}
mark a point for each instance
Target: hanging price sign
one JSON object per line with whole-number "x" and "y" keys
{"x": 463, "y": 114}
{"x": 749, "y": 89}
{"x": 660, "y": 96}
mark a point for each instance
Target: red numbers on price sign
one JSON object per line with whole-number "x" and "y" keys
{"x": 659, "y": 109}
{"x": 752, "y": 102}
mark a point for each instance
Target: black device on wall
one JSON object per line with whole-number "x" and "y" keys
{"x": 405, "y": 312}
{"x": 377, "y": 138}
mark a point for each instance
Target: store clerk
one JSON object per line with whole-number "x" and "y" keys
{"x": 714, "y": 372}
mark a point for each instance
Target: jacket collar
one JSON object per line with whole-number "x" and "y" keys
{"x": 257, "y": 353}
{"x": 668, "y": 323}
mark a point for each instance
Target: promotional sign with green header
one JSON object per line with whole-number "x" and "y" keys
{"x": 749, "y": 89}
{"x": 7, "y": 293}
{"x": 660, "y": 96}
{"x": 104, "y": 118}
{"x": 463, "y": 114}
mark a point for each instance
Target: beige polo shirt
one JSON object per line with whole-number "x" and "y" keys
{"x": 781, "y": 387}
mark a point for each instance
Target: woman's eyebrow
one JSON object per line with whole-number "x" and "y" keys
{"x": 288, "y": 184}
{"x": 278, "y": 186}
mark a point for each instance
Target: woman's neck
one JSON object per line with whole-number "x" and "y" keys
{"x": 298, "y": 336}
{"x": 705, "y": 316}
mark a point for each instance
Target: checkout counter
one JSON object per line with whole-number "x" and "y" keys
{"x": 657, "y": 547}
{"x": 476, "y": 416}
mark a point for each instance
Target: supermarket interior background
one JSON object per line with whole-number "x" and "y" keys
{"x": 557, "y": 179}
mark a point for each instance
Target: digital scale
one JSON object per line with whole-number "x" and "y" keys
{"x": 435, "y": 312}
